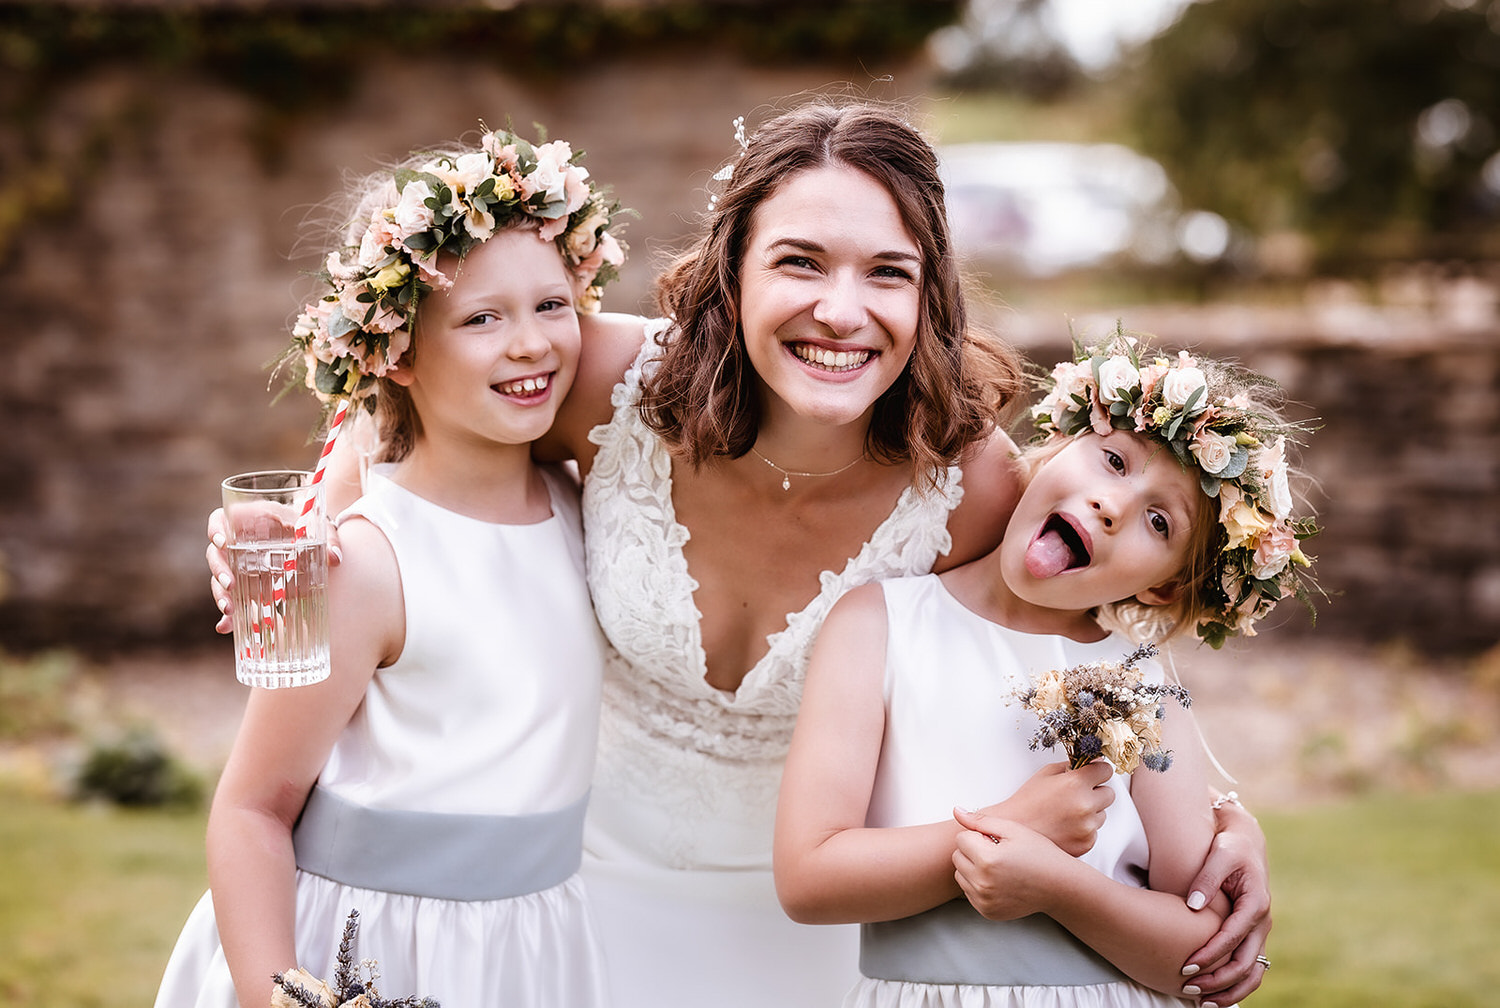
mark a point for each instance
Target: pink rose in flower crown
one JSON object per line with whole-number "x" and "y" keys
{"x": 1151, "y": 374}
{"x": 381, "y": 235}
{"x": 583, "y": 239}
{"x": 606, "y": 250}
{"x": 1273, "y": 551}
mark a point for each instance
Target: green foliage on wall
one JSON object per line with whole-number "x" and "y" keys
{"x": 296, "y": 54}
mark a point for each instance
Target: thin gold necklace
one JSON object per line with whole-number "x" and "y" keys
{"x": 787, "y": 474}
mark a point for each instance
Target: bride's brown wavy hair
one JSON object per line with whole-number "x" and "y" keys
{"x": 702, "y": 399}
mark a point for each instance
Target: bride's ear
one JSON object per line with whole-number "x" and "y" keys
{"x": 1162, "y": 594}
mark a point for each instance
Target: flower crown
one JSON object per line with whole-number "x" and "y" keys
{"x": 361, "y": 326}
{"x": 1238, "y": 450}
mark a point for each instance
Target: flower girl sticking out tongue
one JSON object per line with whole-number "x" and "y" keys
{"x": 1156, "y": 504}
{"x": 436, "y": 782}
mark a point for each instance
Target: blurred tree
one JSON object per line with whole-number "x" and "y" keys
{"x": 1008, "y": 45}
{"x": 1368, "y": 127}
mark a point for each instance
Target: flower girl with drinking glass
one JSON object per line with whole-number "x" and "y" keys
{"x": 436, "y": 782}
{"x": 1156, "y": 504}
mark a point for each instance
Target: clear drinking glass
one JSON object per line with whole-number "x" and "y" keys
{"x": 278, "y": 553}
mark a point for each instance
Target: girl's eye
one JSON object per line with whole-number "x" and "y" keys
{"x": 551, "y": 305}
{"x": 1160, "y": 525}
{"x": 1114, "y": 460}
{"x": 480, "y": 318}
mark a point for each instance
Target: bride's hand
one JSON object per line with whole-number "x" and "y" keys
{"x": 1236, "y": 863}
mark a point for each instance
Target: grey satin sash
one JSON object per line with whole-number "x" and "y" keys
{"x": 442, "y": 855}
{"x": 953, "y": 944}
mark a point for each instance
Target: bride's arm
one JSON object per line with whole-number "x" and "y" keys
{"x": 611, "y": 343}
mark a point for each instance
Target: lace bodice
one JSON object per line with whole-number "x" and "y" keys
{"x": 643, "y": 592}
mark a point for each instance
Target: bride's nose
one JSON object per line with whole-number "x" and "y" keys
{"x": 841, "y": 304}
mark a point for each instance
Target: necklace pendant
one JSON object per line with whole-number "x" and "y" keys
{"x": 786, "y": 482}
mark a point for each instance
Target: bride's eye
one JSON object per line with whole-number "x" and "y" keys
{"x": 1160, "y": 525}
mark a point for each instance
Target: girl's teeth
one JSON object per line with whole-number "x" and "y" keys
{"x": 524, "y": 386}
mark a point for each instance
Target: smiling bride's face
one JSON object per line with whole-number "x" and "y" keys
{"x": 830, "y": 286}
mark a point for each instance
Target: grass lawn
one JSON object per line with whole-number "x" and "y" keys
{"x": 91, "y": 899}
{"x": 1389, "y": 901}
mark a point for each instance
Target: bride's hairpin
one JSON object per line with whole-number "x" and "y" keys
{"x": 727, "y": 172}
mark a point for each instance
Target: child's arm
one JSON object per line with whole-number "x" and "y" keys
{"x": 829, "y": 867}
{"x": 281, "y": 747}
{"x": 1146, "y": 933}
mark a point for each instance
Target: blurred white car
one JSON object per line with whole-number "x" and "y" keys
{"x": 1046, "y": 208}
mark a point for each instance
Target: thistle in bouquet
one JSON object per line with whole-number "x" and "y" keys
{"x": 1104, "y": 709}
{"x": 352, "y": 986}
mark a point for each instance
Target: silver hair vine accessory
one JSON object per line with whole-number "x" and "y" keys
{"x": 727, "y": 172}
{"x": 1237, "y": 450}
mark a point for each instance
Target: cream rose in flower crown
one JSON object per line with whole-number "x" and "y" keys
{"x": 445, "y": 202}
{"x": 1209, "y": 415}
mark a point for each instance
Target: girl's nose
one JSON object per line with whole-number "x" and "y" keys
{"x": 1106, "y": 510}
{"x": 529, "y": 342}
{"x": 841, "y": 305}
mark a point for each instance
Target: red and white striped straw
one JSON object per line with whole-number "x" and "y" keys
{"x": 317, "y": 480}
{"x": 289, "y": 566}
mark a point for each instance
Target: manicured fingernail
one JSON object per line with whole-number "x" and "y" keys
{"x": 1197, "y": 901}
{"x": 222, "y": 603}
{"x": 336, "y": 553}
{"x": 1192, "y": 990}
{"x": 219, "y": 540}
{"x": 1209, "y": 1004}
{"x": 225, "y": 580}
{"x": 964, "y": 809}
{"x": 1190, "y": 969}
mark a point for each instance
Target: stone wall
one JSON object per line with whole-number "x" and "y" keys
{"x": 145, "y": 308}
{"x": 161, "y": 273}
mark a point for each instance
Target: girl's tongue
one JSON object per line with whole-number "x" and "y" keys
{"x": 1057, "y": 549}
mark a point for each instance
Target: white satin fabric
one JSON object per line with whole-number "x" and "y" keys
{"x": 491, "y": 709}
{"x": 956, "y": 735}
{"x": 677, "y": 846}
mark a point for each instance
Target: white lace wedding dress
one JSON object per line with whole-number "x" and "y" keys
{"x": 678, "y": 837}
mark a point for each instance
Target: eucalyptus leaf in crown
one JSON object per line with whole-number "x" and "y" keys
{"x": 1237, "y": 448}
{"x": 446, "y": 203}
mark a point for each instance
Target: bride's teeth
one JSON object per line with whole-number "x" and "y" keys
{"x": 841, "y": 360}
